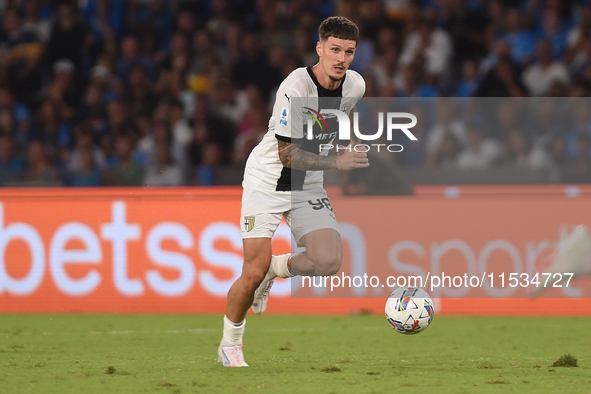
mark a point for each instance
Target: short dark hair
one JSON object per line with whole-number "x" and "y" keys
{"x": 338, "y": 27}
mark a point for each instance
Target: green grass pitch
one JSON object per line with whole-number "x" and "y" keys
{"x": 86, "y": 354}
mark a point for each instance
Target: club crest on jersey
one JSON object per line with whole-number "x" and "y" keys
{"x": 284, "y": 116}
{"x": 248, "y": 223}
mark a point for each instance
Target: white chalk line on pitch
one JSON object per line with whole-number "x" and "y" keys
{"x": 196, "y": 331}
{"x": 209, "y": 330}
{"x": 176, "y": 332}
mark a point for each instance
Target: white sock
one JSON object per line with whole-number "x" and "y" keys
{"x": 279, "y": 266}
{"x": 232, "y": 333}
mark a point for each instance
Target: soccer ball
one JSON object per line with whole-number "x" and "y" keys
{"x": 409, "y": 310}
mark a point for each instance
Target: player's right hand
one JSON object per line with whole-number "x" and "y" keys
{"x": 349, "y": 160}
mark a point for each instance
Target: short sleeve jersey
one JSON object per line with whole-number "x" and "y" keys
{"x": 299, "y": 96}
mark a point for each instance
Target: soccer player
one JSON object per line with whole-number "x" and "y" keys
{"x": 283, "y": 178}
{"x": 572, "y": 255}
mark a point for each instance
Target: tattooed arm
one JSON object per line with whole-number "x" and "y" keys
{"x": 293, "y": 157}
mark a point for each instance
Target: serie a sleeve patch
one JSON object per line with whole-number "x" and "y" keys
{"x": 284, "y": 119}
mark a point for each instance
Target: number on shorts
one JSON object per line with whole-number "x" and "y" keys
{"x": 320, "y": 203}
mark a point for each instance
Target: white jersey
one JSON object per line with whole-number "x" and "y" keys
{"x": 263, "y": 167}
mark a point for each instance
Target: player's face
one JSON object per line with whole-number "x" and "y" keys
{"x": 336, "y": 56}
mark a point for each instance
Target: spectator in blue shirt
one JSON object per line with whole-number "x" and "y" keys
{"x": 522, "y": 41}
{"x": 555, "y": 31}
{"x": 87, "y": 174}
{"x": 20, "y": 115}
{"x": 469, "y": 82}
{"x": 12, "y": 168}
{"x": 130, "y": 57}
{"x": 581, "y": 126}
{"x": 415, "y": 83}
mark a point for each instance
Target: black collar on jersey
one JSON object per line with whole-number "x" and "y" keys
{"x": 322, "y": 91}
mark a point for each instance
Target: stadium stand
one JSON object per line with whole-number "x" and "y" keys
{"x": 160, "y": 92}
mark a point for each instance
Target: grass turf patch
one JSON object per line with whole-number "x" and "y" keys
{"x": 288, "y": 354}
{"x": 566, "y": 360}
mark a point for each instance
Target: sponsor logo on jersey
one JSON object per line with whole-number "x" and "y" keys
{"x": 318, "y": 118}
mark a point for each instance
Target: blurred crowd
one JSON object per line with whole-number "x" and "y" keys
{"x": 166, "y": 92}
{"x": 535, "y": 133}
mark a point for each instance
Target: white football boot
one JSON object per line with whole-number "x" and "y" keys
{"x": 572, "y": 255}
{"x": 231, "y": 356}
{"x": 261, "y": 295}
